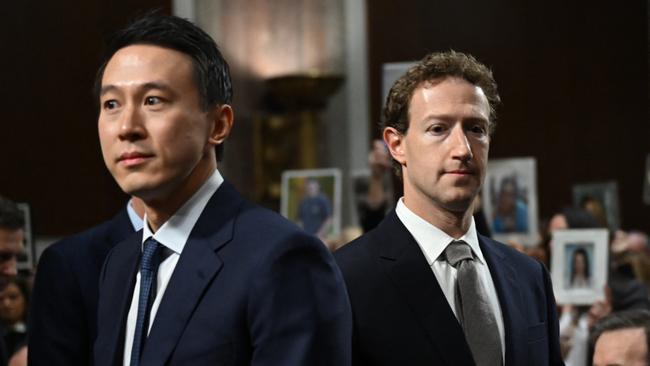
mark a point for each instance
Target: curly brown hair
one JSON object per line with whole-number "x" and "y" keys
{"x": 435, "y": 66}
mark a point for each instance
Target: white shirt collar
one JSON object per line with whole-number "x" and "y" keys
{"x": 136, "y": 221}
{"x": 432, "y": 240}
{"x": 174, "y": 233}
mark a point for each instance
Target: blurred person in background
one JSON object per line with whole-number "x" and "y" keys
{"x": 623, "y": 290}
{"x": 12, "y": 235}
{"x": 14, "y": 302}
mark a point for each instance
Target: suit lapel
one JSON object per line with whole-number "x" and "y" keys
{"x": 505, "y": 282}
{"x": 197, "y": 267}
{"x": 115, "y": 297}
{"x": 407, "y": 267}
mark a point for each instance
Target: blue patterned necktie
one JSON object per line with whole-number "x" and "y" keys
{"x": 473, "y": 307}
{"x": 148, "y": 270}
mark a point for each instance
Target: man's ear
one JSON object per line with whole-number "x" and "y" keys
{"x": 396, "y": 144}
{"x": 223, "y": 118}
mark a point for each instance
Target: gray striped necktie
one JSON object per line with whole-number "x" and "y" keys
{"x": 473, "y": 307}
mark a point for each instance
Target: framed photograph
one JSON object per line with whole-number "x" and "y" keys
{"x": 601, "y": 200}
{"x": 391, "y": 71}
{"x": 26, "y": 260}
{"x": 646, "y": 181}
{"x": 579, "y": 265}
{"x": 312, "y": 199}
{"x": 510, "y": 200}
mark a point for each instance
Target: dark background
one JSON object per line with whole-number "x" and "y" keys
{"x": 49, "y": 147}
{"x": 573, "y": 79}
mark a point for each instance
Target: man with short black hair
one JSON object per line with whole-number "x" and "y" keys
{"x": 425, "y": 287}
{"x": 212, "y": 279}
{"x": 622, "y": 338}
{"x": 12, "y": 235}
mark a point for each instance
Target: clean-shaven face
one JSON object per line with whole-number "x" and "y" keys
{"x": 153, "y": 132}
{"x": 445, "y": 149}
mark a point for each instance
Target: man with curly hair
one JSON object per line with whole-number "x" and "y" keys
{"x": 425, "y": 287}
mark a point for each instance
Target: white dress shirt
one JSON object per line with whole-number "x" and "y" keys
{"x": 433, "y": 242}
{"x": 172, "y": 235}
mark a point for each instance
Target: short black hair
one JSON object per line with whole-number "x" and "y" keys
{"x": 11, "y": 217}
{"x": 626, "y": 319}
{"x": 211, "y": 71}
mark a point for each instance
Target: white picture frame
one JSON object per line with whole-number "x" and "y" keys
{"x": 296, "y": 186}
{"x": 510, "y": 200}
{"x": 573, "y": 282}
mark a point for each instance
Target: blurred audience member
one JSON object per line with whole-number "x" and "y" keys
{"x": 574, "y": 320}
{"x": 12, "y": 235}
{"x": 567, "y": 218}
{"x": 595, "y": 209}
{"x": 14, "y": 300}
{"x": 630, "y": 271}
{"x": 372, "y": 209}
{"x": 622, "y": 338}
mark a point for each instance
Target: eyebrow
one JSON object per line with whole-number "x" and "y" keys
{"x": 152, "y": 85}
{"x": 446, "y": 117}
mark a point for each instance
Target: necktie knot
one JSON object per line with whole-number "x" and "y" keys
{"x": 149, "y": 251}
{"x": 458, "y": 251}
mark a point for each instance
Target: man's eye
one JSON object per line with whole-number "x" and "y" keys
{"x": 110, "y": 104}
{"x": 478, "y": 129}
{"x": 152, "y": 100}
{"x": 437, "y": 129}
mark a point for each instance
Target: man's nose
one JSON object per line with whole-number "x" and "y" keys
{"x": 131, "y": 124}
{"x": 461, "y": 149}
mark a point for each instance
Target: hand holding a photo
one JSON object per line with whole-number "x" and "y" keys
{"x": 600, "y": 308}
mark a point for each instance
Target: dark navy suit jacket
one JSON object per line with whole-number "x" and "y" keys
{"x": 62, "y": 318}
{"x": 250, "y": 288}
{"x": 401, "y": 316}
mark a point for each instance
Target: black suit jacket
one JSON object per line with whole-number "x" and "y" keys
{"x": 249, "y": 288}
{"x": 62, "y": 318}
{"x": 401, "y": 316}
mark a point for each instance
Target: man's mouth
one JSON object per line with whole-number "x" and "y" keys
{"x": 133, "y": 158}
